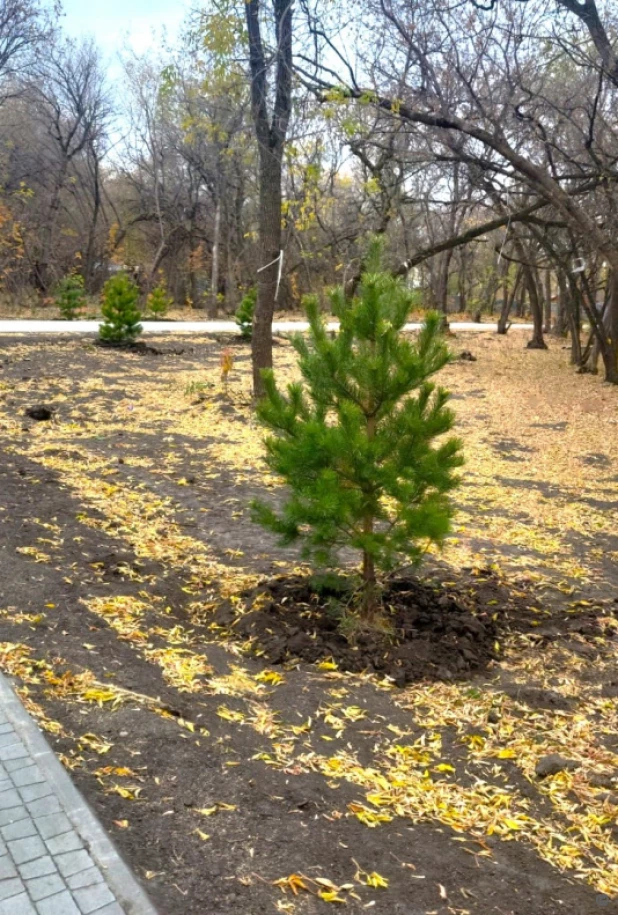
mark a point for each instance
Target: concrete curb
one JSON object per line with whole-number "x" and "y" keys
{"x": 119, "y": 878}
{"x": 28, "y": 327}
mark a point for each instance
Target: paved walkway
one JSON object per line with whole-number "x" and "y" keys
{"x": 204, "y": 327}
{"x": 55, "y": 858}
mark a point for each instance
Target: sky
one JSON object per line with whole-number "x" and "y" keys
{"x": 116, "y": 23}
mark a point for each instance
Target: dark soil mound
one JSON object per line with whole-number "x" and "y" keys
{"x": 140, "y": 348}
{"x": 434, "y": 634}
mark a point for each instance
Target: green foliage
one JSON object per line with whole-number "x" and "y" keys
{"x": 159, "y": 302}
{"x": 119, "y": 308}
{"x": 355, "y": 440}
{"x": 246, "y": 312}
{"x": 70, "y": 296}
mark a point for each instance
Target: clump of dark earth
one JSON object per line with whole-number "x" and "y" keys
{"x": 553, "y": 764}
{"x": 438, "y": 629}
{"x": 433, "y": 634}
{"x": 40, "y": 413}
{"x": 140, "y": 348}
{"x": 467, "y": 356}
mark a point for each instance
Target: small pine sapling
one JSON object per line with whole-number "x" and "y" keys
{"x": 246, "y": 313}
{"x": 119, "y": 308}
{"x": 159, "y": 302}
{"x": 360, "y": 441}
{"x": 70, "y": 296}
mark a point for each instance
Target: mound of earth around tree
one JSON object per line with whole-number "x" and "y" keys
{"x": 432, "y": 633}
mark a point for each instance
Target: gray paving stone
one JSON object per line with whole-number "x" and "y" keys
{"x": 33, "y": 792}
{"x": 38, "y": 868}
{"x": 29, "y": 775}
{"x": 85, "y": 878}
{"x": 19, "y": 830}
{"x": 61, "y": 904}
{"x": 69, "y": 841}
{"x": 12, "y": 815}
{"x": 92, "y": 898}
{"x": 41, "y": 887}
{"x": 8, "y": 738}
{"x": 12, "y": 765}
{"x": 7, "y": 868}
{"x": 72, "y": 862}
{"x": 23, "y": 850}
{"x": 11, "y": 887}
{"x": 13, "y": 752}
{"x": 54, "y": 824}
{"x": 49, "y": 863}
{"x": 17, "y": 905}
{"x": 43, "y": 806}
{"x": 9, "y": 798}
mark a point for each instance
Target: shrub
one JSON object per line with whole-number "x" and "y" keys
{"x": 355, "y": 440}
{"x": 70, "y": 296}
{"x": 246, "y": 312}
{"x": 159, "y": 302}
{"x": 119, "y": 308}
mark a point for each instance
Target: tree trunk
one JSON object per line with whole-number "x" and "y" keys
{"x": 536, "y": 308}
{"x": 271, "y": 132}
{"x": 507, "y": 303}
{"x": 610, "y": 354}
{"x": 441, "y": 293}
{"x": 461, "y": 284}
{"x": 369, "y": 599}
{"x": 193, "y": 267}
{"x": 213, "y": 301}
{"x": 571, "y": 315}
{"x": 43, "y": 266}
{"x": 89, "y": 260}
{"x": 547, "y": 303}
{"x": 270, "y": 249}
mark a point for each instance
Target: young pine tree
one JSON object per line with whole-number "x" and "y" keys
{"x": 119, "y": 308}
{"x": 246, "y": 312}
{"x": 159, "y": 302}
{"x": 356, "y": 440}
{"x": 70, "y": 296}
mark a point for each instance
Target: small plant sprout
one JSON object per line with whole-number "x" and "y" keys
{"x": 227, "y": 364}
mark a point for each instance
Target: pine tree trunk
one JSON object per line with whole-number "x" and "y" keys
{"x": 369, "y": 601}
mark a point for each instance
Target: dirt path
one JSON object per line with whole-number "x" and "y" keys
{"x": 124, "y": 522}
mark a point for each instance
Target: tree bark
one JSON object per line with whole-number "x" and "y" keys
{"x": 369, "y": 600}
{"x": 270, "y": 177}
{"x": 536, "y": 309}
{"x": 213, "y": 303}
{"x": 547, "y": 323}
{"x": 271, "y": 134}
{"x": 507, "y": 303}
